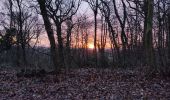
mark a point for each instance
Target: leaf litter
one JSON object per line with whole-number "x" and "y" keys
{"x": 84, "y": 84}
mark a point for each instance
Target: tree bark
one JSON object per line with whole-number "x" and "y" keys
{"x": 50, "y": 33}
{"x": 148, "y": 46}
{"x": 169, "y": 35}
{"x": 122, "y": 22}
{"x": 68, "y": 40}
{"x": 95, "y": 35}
{"x": 60, "y": 44}
{"x": 21, "y": 38}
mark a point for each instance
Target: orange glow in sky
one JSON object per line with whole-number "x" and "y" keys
{"x": 90, "y": 46}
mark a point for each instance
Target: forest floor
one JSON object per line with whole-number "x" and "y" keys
{"x": 84, "y": 84}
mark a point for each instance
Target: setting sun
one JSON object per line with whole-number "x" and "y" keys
{"x": 91, "y": 46}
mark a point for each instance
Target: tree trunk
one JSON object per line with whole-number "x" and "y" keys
{"x": 148, "y": 33}
{"x": 136, "y": 24}
{"x": 159, "y": 27}
{"x": 95, "y": 36}
{"x": 11, "y": 12}
{"x": 68, "y": 49}
{"x": 122, "y": 22}
{"x": 169, "y": 35}
{"x": 60, "y": 44}
{"x": 113, "y": 39}
{"x": 49, "y": 33}
{"x": 20, "y": 34}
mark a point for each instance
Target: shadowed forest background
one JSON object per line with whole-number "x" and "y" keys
{"x": 39, "y": 37}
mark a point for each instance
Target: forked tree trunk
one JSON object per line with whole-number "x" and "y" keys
{"x": 49, "y": 33}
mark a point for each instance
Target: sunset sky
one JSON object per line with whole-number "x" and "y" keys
{"x": 84, "y": 9}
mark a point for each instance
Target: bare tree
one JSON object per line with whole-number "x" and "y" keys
{"x": 94, "y": 4}
{"x": 50, "y": 33}
{"x": 103, "y": 40}
{"x": 169, "y": 33}
{"x": 148, "y": 32}
{"x": 70, "y": 26}
{"x": 60, "y": 11}
{"x": 105, "y": 9}
{"x": 122, "y": 22}
{"x": 21, "y": 34}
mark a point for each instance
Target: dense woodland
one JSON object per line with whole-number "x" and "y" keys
{"x": 118, "y": 35}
